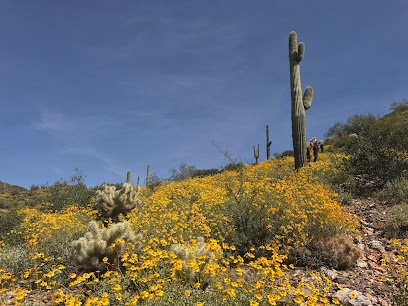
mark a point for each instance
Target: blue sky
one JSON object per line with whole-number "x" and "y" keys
{"x": 112, "y": 86}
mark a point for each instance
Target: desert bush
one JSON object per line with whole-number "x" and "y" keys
{"x": 4, "y": 204}
{"x": 399, "y": 106}
{"x": 10, "y": 222}
{"x": 378, "y": 155}
{"x": 355, "y": 124}
{"x": 14, "y": 259}
{"x": 395, "y": 192}
{"x": 50, "y": 232}
{"x": 63, "y": 194}
{"x": 401, "y": 299}
{"x": 183, "y": 173}
{"x": 204, "y": 172}
{"x": 283, "y": 154}
{"x": 195, "y": 258}
{"x": 250, "y": 222}
{"x": 264, "y": 211}
{"x": 396, "y": 224}
{"x": 233, "y": 166}
{"x": 34, "y": 187}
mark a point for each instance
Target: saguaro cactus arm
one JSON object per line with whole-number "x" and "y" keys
{"x": 299, "y": 103}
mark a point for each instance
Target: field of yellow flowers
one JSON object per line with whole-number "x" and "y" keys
{"x": 252, "y": 222}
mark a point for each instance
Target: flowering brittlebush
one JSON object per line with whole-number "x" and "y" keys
{"x": 248, "y": 220}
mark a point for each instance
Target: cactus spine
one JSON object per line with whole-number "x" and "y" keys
{"x": 256, "y": 154}
{"x": 147, "y": 177}
{"x": 128, "y": 177}
{"x": 299, "y": 104}
{"x": 268, "y": 144}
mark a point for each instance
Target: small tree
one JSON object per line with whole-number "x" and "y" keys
{"x": 183, "y": 173}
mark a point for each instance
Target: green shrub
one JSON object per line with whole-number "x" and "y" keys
{"x": 395, "y": 192}
{"x": 4, "y": 204}
{"x": 396, "y": 224}
{"x": 378, "y": 155}
{"x": 14, "y": 259}
{"x": 183, "y": 173}
{"x": 233, "y": 166}
{"x": 62, "y": 194}
{"x": 250, "y": 225}
{"x": 205, "y": 172}
{"x": 60, "y": 244}
{"x": 355, "y": 124}
{"x": 250, "y": 221}
{"x": 283, "y": 154}
{"x": 10, "y": 222}
{"x": 401, "y": 299}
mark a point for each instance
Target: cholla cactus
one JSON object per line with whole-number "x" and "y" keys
{"x": 111, "y": 202}
{"x": 195, "y": 258}
{"x": 314, "y": 145}
{"x": 101, "y": 248}
{"x": 321, "y": 145}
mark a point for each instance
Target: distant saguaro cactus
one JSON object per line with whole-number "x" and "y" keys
{"x": 128, "y": 177}
{"x": 147, "y": 177}
{"x": 299, "y": 104}
{"x": 256, "y": 154}
{"x": 268, "y": 144}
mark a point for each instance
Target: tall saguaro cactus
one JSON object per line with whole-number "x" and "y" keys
{"x": 299, "y": 104}
{"x": 268, "y": 144}
{"x": 128, "y": 177}
{"x": 147, "y": 177}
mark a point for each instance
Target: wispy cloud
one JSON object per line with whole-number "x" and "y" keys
{"x": 107, "y": 162}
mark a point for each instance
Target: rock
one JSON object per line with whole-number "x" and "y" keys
{"x": 330, "y": 273}
{"x": 377, "y": 245}
{"x": 345, "y": 298}
{"x": 381, "y": 269}
{"x": 364, "y": 223}
{"x": 361, "y": 263}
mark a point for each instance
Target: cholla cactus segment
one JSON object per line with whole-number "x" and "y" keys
{"x": 111, "y": 202}
{"x": 195, "y": 257}
{"x": 313, "y": 141}
{"x": 101, "y": 248}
